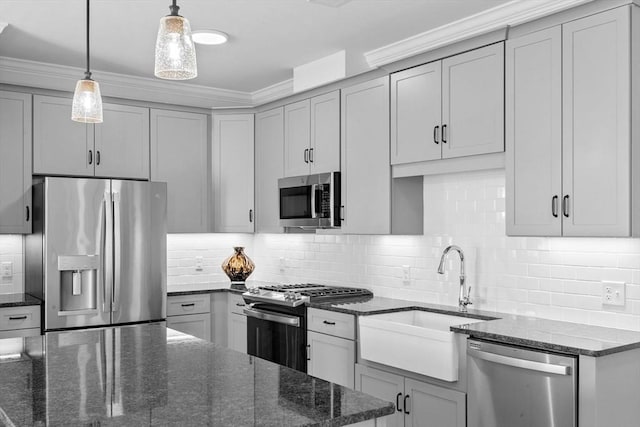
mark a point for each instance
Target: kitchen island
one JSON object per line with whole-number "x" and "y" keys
{"x": 151, "y": 375}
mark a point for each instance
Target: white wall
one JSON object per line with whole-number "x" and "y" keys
{"x": 556, "y": 278}
{"x": 11, "y": 251}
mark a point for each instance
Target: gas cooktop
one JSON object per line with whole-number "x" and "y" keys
{"x": 301, "y": 293}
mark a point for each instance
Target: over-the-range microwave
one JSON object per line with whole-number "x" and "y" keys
{"x": 310, "y": 201}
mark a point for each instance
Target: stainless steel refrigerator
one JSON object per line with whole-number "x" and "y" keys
{"x": 97, "y": 255}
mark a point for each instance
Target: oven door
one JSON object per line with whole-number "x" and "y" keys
{"x": 277, "y": 334}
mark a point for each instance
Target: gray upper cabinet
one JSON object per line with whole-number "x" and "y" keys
{"x": 449, "y": 108}
{"x": 116, "y": 148}
{"x": 416, "y": 114}
{"x": 233, "y": 172}
{"x": 569, "y": 144}
{"x": 534, "y": 133}
{"x": 179, "y": 157}
{"x": 366, "y": 172}
{"x": 15, "y": 162}
{"x": 60, "y": 145}
{"x": 312, "y": 135}
{"x": 122, "y": 142}
{"x": 596, "y": 140}
{"x": 269, "y": 146}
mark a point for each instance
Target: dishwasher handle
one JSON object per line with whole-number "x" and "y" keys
{"x": 531, "y": 365}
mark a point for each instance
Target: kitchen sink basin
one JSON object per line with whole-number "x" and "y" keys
{"x": 413, "y": 340}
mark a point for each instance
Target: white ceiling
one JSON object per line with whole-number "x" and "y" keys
{"x": 268, "y": 38}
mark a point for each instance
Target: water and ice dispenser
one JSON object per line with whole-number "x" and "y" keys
{"x": 78, "y": 282}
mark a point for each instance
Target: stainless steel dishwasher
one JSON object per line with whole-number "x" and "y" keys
{"x": 516, "y": 387}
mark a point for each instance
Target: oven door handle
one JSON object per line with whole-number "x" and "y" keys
{"x": 278, "y": 318}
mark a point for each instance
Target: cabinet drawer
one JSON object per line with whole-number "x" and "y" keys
{"x": 188, "y": 304}
{"x": 20, "y": 333}
{"x": 19, "y": 318}
{"x": 236, "y": 304}
{"x": 331, "y": 323}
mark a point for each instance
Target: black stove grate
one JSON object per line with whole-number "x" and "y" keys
{"x": 321, "y": 292}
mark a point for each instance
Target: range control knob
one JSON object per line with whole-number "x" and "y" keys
{"x": 297, "y": 296}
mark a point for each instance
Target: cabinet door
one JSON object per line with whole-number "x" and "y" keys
{"x": 269, "y": 168}
{"x": 534, "y": 134}
{"x": 198, "y": 325}
{"x": 297, "y": 138}
{"x": 383, "y": 385}
{"x": 428, "y": 405}
{"x": 179, "y": 157}
{"x": 366, "y": 171}
{"x": 237, "y": 332}
{"x": 416, "y": 114}
{"x": 331, "y": 358}
{"x": 122, "y": 142}
{"x": 233, "y": 172}
{"x": 324, "y": 151}
{"x": 596, "y": 131}
{"x": 60, "y": 145}
{"x": 473, "y": 102}
{"x": 15, "y": 162}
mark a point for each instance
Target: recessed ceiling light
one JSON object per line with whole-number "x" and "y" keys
{"x": 209, "y": 37}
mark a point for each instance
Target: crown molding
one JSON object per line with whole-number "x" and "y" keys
{"x": 509, "y": 14}
{"x": 272, "y": 93}
{"x": 60, "y": 77}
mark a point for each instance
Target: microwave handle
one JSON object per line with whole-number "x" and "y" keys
{"x": 314, "y": 189}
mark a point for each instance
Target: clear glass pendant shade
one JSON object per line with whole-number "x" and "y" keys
{"x": 175, "y": 51}
{"x": 87, "y": 102}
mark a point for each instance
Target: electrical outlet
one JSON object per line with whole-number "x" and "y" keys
{"x": 198, "y": 263}
{"x": 406, "y": 273}
{"x": 613, "y": 293}
{"x": 7, "y": 269}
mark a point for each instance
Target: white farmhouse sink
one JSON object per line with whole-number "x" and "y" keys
{"x": 413, "y": 340}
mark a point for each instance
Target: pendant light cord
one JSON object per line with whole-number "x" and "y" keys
{"x": 87, "y": 73}
{"x": 174, "y": 8}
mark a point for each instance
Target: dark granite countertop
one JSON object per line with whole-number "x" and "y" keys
{"x": 150, "y": 375}
{"x": 537, "y": 333}
{"x": 18, "y": 300}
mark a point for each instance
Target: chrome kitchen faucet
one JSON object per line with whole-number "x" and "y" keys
{"x": 463, "y": 300}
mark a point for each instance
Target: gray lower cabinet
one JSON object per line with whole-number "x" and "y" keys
{"x": 179, "y": 157}
{"x": 15, "y": 162}
{"x": 417, "y": 403}
{"x": 236, "y": 324}
{"x": 331, "y": 346}
{"x": 19, "y": 321}
{"x": 190, "y": 314}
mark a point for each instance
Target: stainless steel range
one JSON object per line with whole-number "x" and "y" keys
{"x": 276, "y": 318}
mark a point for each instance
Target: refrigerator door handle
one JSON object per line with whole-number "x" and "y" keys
{"x": 117, "y": 252}
{"x": 106, "y": 246}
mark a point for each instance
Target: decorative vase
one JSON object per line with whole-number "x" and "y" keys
{"x": 238, "y": 267}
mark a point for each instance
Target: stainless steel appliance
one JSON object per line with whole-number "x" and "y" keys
{"x": 276, "y": 319}
{"x": 516, "y": 387}
{"x": 97, "y": 255}
{"x": 310, "y": 201}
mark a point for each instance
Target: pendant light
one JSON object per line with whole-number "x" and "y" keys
{"x": 87, "y": 102}
{"x": 175, "y": 51}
